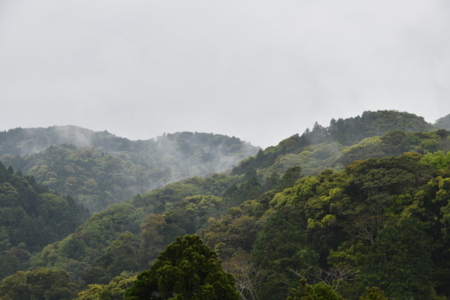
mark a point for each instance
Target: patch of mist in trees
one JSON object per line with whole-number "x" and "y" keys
{"x": 99, "y": 169}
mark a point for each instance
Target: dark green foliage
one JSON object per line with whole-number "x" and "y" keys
{"x": 281, "y": 249}
{"x": 148, "y": 233}
{"x": 187, "y": 269}
{"x": 400, "y": 261}
{"x": 121, "y": 255}
{"x": 373, "y": 293}
{"x": 271, "y": 182}
{"x": 250, "y": 189}
{"x": 352, "y": 130}
{"x": 291, "y": 176}
{"x": 30, "y": 218}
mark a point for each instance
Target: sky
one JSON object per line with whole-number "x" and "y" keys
{"x": 257, "y": 70}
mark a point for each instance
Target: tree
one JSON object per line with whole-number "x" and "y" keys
{"x": 291, "y": 176}
{"x": 319, "y": 291}
{"x": 400, "y": 261}
{"x": 186, "y": 270}
{"x": 373, "y": 293}
{"x": 247, "y": 274}
{"x": 41, "y": 283}
{"x": 281, "y": 249}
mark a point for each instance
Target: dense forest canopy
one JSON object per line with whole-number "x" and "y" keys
{"x": 98, "y": 169}
{"x": 31, "y": 217}
{"x": 356, "y": 210}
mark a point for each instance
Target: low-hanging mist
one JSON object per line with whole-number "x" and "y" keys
{"x": 99, "y": 168}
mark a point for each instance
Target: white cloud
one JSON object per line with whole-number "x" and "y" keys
{"x": 259, "y": 70}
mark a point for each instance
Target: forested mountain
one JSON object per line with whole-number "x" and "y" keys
{"x": 443, "y": 123}
{"x": 98, "y": 168}
{"x": 358, "y": 210}
{"x": 31, "y": 216}
{"x": 320, "y": 148}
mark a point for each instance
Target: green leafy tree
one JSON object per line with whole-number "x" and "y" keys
{"x": 373, "y": 293}
{"x": 290, "y": 177}
{"x": 319, "y": 291}
{"x": 114, "y": 290}
{"x": 400, "y": 262}
{"x": 42, "y": 283}
{"x": 281, "y": 248}
{"x": 187, "y": 269}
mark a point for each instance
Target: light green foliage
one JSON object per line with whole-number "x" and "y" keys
{"x": 439, "y": 159}
{"x": 355, "y": 210}
{"x": 38, "y": 284}
{"x": 319, "y": 291}
{"x": 304, "y": 189}
{"x": 187, "y": 269}
{"x": 114, "y": 290}
{"x": 194, "y": 211}
{"x": 394, "y": 142}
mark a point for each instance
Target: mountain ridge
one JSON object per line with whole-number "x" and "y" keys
{"x": 309, "y": 207}
{"x": 98, "y": 168}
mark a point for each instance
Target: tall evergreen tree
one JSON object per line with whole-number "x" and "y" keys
{"x": 186, "y": 270}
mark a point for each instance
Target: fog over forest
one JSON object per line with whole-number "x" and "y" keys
{"x": 257, "y": 70}
{"x": 233, "y": 150}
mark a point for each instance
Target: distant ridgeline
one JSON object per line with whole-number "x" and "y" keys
{"x": 360, "y": 208}
{"x": 98, "y": 168}
{"x": 325, "y": 147}
{"x": 443, "y": 123}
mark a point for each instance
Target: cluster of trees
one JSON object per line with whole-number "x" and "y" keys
{"x": 325, "y": 220}
{"x": 99, "y": 169}
{"x": 93, "y": 178}
{"x": 136, "y": 230}
{"x": 379, "y": 222}
{"x": 31, "y": 216}
{"x": 318, "y": 149}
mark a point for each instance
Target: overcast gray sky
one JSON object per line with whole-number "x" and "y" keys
{"x": 258, "y": 70}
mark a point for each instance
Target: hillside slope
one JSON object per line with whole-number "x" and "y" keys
{"x": 98, "y": 168}
{"x": 312, "y": 207}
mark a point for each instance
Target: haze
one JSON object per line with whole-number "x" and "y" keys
{"x": 257, "y": 70}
